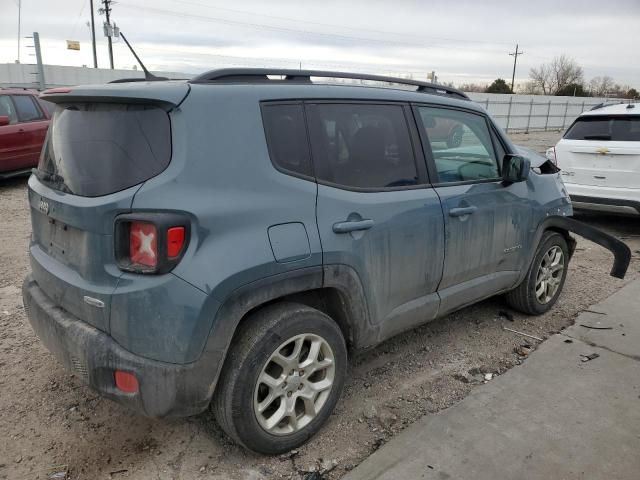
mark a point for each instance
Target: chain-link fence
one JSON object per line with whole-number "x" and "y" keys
{"x": 526, "y": 113}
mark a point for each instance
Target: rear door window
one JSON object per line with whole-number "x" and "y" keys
{"x": 461, "y": 145}
{"x": 605, "y": 128}
{"x": 94, "y": 149}
{"x": 27, "y": 109}
{"x": 362, "y": 145}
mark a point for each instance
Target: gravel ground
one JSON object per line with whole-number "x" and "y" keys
{"x": 50, "y": 423}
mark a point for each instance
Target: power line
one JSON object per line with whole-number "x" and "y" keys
{"x": 515, "y": 60}
{"x": 350, "y": 28}
{"x": 205, "y": 18}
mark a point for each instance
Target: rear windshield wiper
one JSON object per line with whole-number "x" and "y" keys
{"x": 602, "y": 136}
{"x": 52, "y": 178}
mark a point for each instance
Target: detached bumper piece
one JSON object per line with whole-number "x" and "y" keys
{"x": 621, "y": 252}
{"x": 163, "y": 389}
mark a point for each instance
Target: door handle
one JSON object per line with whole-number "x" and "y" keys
{"x": 461, "y": 211}
{"x": 352, "y": 226}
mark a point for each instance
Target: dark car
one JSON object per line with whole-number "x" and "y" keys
{"x": 24, "y": 120}
{"x": 227, "y": 241}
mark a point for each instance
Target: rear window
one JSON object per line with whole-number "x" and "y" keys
{"x": 99, "y": 148}
{"x": 608, "y": 128}
{"x": 27, "y": 109}
{"x": 287, "y": 138}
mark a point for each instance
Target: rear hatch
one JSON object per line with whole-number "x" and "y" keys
{"x": 101, "y": 146}
{"x": 602, "y": 150}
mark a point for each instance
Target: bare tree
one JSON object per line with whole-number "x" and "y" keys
{"x": 529, "y": 88}
{"x": 566, "y": 72}
{"x": 600, "y": 86}
{"x": 542, "y": 79}
{"x": 473, "y": 87}
{"x": 554, "y": 76}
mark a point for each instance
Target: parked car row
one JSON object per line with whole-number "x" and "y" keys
{"x": 24, "y": 120}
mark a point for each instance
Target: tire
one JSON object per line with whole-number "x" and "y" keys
{"x": 277, "y": 332}
{"x": 455, "y": 137}
{"x": 524, "y": 297}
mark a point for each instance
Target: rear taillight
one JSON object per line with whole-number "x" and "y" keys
{"x": 143, "y": 244}
{"x": 150, "y": 242}
{"x": 175, "y": 241}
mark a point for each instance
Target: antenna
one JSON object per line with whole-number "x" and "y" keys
{"x": 147, "y": 74}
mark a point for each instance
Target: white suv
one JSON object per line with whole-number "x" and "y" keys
{"x": 600, "y": 159}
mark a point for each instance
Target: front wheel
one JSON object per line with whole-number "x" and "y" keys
{"x": 543, "y": 284}
{"x": 282, "y": 378}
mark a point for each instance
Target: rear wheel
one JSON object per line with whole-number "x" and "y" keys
{"x": 282, "y": 378}
{"x": 545, "y": 279}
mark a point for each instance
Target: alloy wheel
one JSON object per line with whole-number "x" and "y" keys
{"x": 294, "y": 384}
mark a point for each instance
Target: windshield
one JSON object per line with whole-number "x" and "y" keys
{"x": 94, "y": 149}
{"x": 602, "y": 127}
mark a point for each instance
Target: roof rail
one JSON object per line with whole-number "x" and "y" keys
{"x": 138, "y": 79}
{"x": 230, "y": 75}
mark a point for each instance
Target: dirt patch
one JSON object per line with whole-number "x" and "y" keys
{"x": 50, "y": 423}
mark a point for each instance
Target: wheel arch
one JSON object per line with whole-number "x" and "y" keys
{"x": 334, "y": 290}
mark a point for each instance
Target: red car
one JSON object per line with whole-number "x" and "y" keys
{"x": 24, "y": 120}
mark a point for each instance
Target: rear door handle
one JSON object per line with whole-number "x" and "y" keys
{"x": 461, "y": 211}
{"x": 352, "y": 226}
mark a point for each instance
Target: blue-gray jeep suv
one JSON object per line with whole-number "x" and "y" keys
{"x": 225, "y": 241}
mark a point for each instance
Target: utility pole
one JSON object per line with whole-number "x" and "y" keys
{"x": 108, "y": 29}
{"x": 515, "y": 60}
{"x": 19, "y": 25}
{"x": 36, "y": 44}
{"x": 93, "y": 36}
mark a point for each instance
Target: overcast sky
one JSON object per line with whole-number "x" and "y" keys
{"x": 462, "y": 40}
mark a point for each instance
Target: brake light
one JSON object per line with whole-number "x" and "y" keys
{"x": 143, "y": 244}
{"x": 150, "y": 242}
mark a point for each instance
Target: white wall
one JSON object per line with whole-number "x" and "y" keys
{"x": 23, "y": 75}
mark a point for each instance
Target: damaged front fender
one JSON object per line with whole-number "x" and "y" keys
{"x": 620, "y": 250}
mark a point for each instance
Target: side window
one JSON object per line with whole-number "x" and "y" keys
{"x": 287, "y": 138}
{"x": 26, "y": 108}
{"x": 7, "y": 109}
{"x": 460, "y": 144}
{"x": 361, "y": 145}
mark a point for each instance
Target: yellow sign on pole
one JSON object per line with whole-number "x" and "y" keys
{"x": 73, "y": 45}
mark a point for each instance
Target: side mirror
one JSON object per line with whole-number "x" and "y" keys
{"x": 515, "y": 168}
{"x": 4, "y": 120}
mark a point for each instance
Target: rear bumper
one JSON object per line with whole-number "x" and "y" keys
{"x": 605, "y": 199}
{"x": 165, "y": 389}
